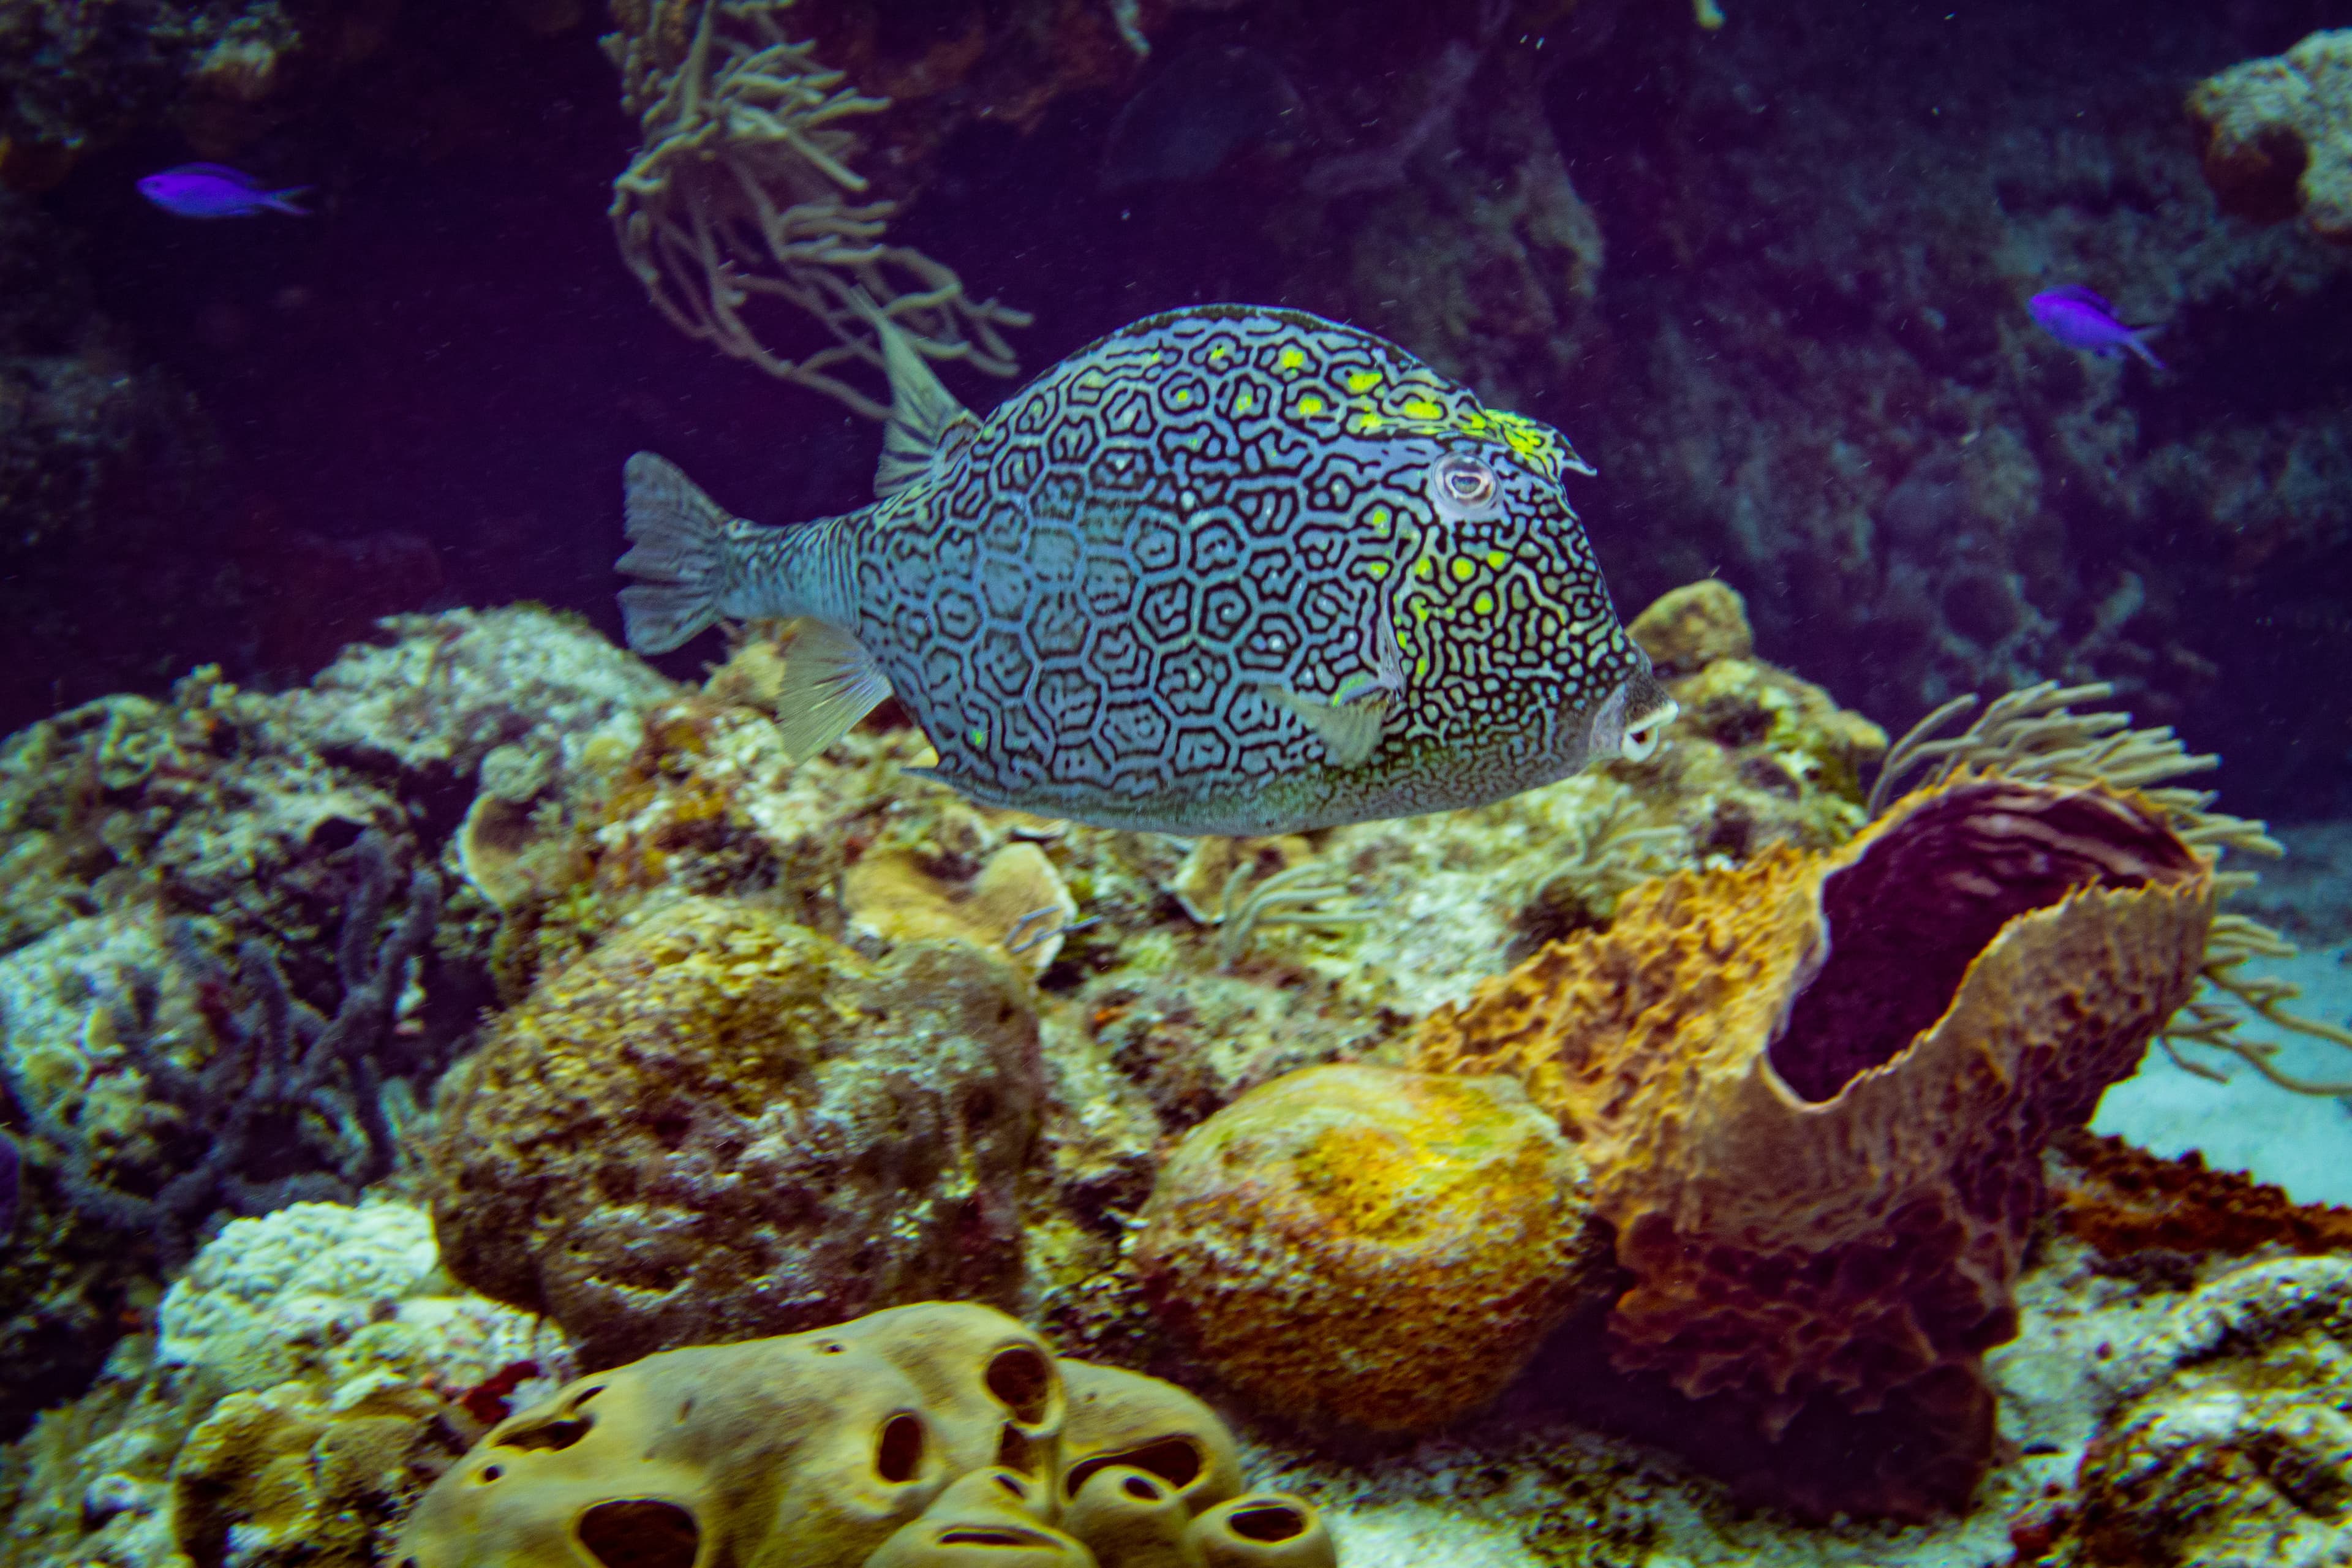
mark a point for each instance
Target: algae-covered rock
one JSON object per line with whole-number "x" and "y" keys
{"x": 313, "y": 1377}
{"x": 2278, "y": 135}
{"x": 2228, "y": 1445}
{"x": 720, "y": 1124}
{"x": 1365, "y": 1248}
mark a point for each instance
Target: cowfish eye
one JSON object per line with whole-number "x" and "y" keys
{"x": 1641, "y": 739}
{"x": 1463, "y": 482}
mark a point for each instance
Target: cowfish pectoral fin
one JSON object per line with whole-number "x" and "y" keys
{"x": 830, "y": 682}
{"x": 677, "y": 553}
{"x": 925, "y": 418}
{"x": 1350, "y": 732}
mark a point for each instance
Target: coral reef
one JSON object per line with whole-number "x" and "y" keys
{"x": 2225, "y": 1444}
{"x": 202, "y": 1001}
{"x": 2278, "y": 135}
{"x": 1316, "y": 1239}
{"x": 1824, "y": 1208}
{"x": 301, "y": 1396}
{"x": 719, "y": 1125}
{"x": 892, "y": 1439}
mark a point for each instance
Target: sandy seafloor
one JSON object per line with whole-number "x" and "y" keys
{"x": 1517, "y": 1490}
{"x": 2248, "y": 1124}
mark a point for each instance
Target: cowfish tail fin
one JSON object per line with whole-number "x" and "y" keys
{"x": 830, "y": 682}
{"x": 925, "y": 418}
{"x": 284, "y": 200}
{"x": 677, "y": 551}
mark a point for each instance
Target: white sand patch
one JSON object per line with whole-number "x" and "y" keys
{"x": 2249, "y": 1124}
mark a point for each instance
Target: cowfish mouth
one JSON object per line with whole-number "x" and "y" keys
{"x": 1633, "y": 722}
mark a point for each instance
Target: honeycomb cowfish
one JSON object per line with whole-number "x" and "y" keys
{"x": 1229, "y": 570}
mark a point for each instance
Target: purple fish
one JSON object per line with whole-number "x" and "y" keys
{"x": 2082, "y": 319}
{"x": 216, "y": 190}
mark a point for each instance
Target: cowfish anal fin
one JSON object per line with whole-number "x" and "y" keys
{"x": 830, "y": 682}
{"x": 676, "y": 553}
{"x": 1350, "y": 732}
{"x": 925, "y": 418}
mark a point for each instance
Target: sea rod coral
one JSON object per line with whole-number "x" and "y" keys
{"x": 743, "y": 189}
{"x": 289, "y": 1104}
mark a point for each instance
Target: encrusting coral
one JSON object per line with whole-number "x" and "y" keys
{"x": 720, "y": 1124}
{"x": 1813, "y": 1093}
{"x": 925, "y": 1435}
{"x": 1359, "y": 1247}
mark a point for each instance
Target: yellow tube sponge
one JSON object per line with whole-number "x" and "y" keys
{"x": 1263, "y": 1529}
{"x": 928, "y": 1435}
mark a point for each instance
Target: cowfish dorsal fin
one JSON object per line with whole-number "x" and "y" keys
{"x": 830, "y": 682}
{"x": 925, "y": 419}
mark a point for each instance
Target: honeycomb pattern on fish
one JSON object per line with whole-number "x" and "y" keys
{"x": 1232, "y": 570}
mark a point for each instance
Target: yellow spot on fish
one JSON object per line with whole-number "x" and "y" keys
{"x": 1291, "y": 358}
{"x": 1363, "y": 380}
{"x": 1379, "y": 518}
{"x": 1484, "y": 604}
{"x": 1495, "y": 558}
{"x": 980, "y": 737}
{"x": 1463, "y": 568}
{"x": 1240, "y": 403}
{"x": 1376, "y": 570}
{"x": 1217, "y": 353}
{"x": 1420, "y": 614}
{"x": 1425, "y": 568}
{"x": 1423, "y": 408}
{"x": 1421, "y": 668}
{"x": 1182, "y": 398}
{"x": 1310, "y": 403}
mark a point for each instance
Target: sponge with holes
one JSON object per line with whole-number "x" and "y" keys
{"x": 929, "y": 1434}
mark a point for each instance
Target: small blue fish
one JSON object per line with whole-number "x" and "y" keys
{"x": 2082, "y": 320}
{"x": 216, "y": 190}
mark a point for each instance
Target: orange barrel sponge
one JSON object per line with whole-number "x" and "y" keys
{"x": 1814, "y": 1093}
{"x": 1364, "y": 1247}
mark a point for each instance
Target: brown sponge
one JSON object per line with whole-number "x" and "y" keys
{"x": 1814, "y": 1091}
